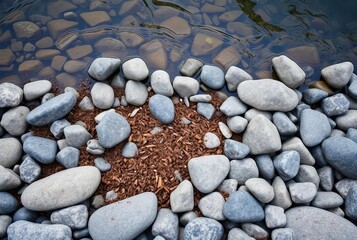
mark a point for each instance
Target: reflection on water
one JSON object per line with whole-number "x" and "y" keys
{"x": 58, "y": 39}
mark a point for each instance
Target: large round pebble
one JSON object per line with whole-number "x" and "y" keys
{"x": 36, "y": 89}
{"x": 102, "y": 95}
{"x": 162, "y": 108}
{"x": 102, "y": 68}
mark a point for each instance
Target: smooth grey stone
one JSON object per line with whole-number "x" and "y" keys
{"x": 237, "y": 124}
{"x": 208, "y": 172}
{"x": 24, "y": 214}
{"x": 228, "y": 186}
{"x": 284, "y": 125}
{"x": 135, "y": 93}
{"x": 337, "y": 133}
{"x": 327, "y": 200}
{"x": 75, "y": 217}
{"x": 251, "y": 113}
{"x": 8, "y": 203}
{"x": 162, "y": 108}
{"x": 10, "y": 95}
{"x": 36, "y": 89}
{"x": 281, "y": 194}
{"x": 62, "y": 189}
{"x": 132, "y": 216}
{"x": 30, "y": 170}
{"x": 212, "y": 77}
{"x": 261, "y": 136}
{"x": 112, "y": 130}
{"x": 344, "y": 185}
{"x": 93, "y": 147}
{"x": 71, "y": 89}
{"x": 288, "y": 71}
{"x": 210, "y": 140}
{"x": 182, "y": 199}
{"x": 341, "y": 153}
{"x": 338, "y": 75}
{"x": 100, "y": 116}
{"x": 282, "y": 234}
{"x": 234, "y": 76}
{"x": 296, "y": 144}
{"x": 352, "y": 87}
{"x": 58, "y": 126}
{"x": 326, "y": 178}
{"x": 255, "y": 231}
{"x": 62, "y": 144}
{"x": 287, "y": 164}
{"x": 242, "y": 207}
{"x": 129, "y": 150}
{"x": 5, "y": 222}
{"x": 187, "y": 217}
{"x": 161, "y": 84}
{"x": 52, "y": 110}
{"x": 123, "y": 101}
{"x": 118, "y": 81}
{"x": 260, "y": 189}
{"x": 314, "y": 95}
{"x": 274, "y": 216}
{"x": 102, "y": 68}
{"x": 201, "y": 98}
{"x": 41, "y": 149}
{"x": 166, "y": 225}
{"x": 81, "y": 233}
{"x": 203, "y": 228}
{"x": 135, "y": 69}
{"x": 235, "y": 150}
{"x": 242, "y": 170}
{"x": 348, "y": 120}
{"x": 47, "y": 97}
{"x": 211, "y": 206}
{"x": 102, "y": 164}
{"x": 267, "y": 95}
{"x": 318, "y": 155}
{"x": 338, "y": 211}
{"x": 190, "y": 67}
{"x": 238, "y": 234}
{"x": 302, "y": 192}
{"x": 351, "y": 203}
{"x": 314, "y": 224}
{"x": 265, "y": 166}
{"x": 308, "y": 174}
{"x": 232, "y": 106}
{"x": 352, "y": 134}
{"x": 335, "y": 105}
{"x": 76, "y": 135}
{"x": 14, "y": 120}
{"x": 97, "y": 201}
{"x": 9, "y": 180}
{"x": 27, "y": 231}
{"x": 10, "y": 152}
{"x": 68, "y": 157}
{"x": 185, "y": 86}
{"x": 102, "y": 95}
{"x": 116, "y": 102}
{"x": 206, "y": 109}
{"x": 86, "y": 104}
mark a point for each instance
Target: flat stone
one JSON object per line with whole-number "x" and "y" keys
{"x": 314, "y": 95}
{"x": 30, "y": 170}
{"x": 45, "y": 42}
{"x": 267, "y": 95}
{"x": 207, "y": 172}
{"x": 129, "y": 150}
{"x": 14, "y": 120}
{"x": 102, "y": 95}
{"x": 132, "y": 216}
{"x": 284, "y": 125}
{"x": 327, "y": 200}
{"x": 314, "y": 223}
{"x": 296, "y": 144}
{"x": 154, "y": 52}
{"x": 338, "y": 75}
{"x": 255, "y": 231}
{"x": 211, "y": 206}
{"x": 109, "y": 44}
{"x": 203, "y": 228}
{"x": 36, "y": 89}
{"x": 335, "y": 105}
{"x": 10, "y": 95}
{"x": 274, "y": 216}
{"x": 62, "y": 189}
{"x": 95, "y": 18}
{"x": 102, "y": 68}
{"x": 232, "y": 106}
{"x": 135, "y": 93}
{"x": 55, "y": 9}
{"x": 348, "y": 120}
{"x": 8, "y": 203}
{"x": 52, "y": 110}
{"x": 287, "y": 164}
{"x": 235, "y": 150}
{"x": 162, "y": 108}
{"x": 177, "y": 25}
{"x": 75, "y": 217}
{"x": 201, "y": 98}
{"x": 206, "y": 109}
{"x": 166, "y": 225}
{"x": 68, "y": 157}
{"x": 181, "y": 199}
{"x": 228, "y": 57}
{"x": 45, "y": 54}
{"x": 161, "y": 84}
{"x": 234, "y": 76}
{"x": 131, "y": 39}
{"x": 243, "y": 30}
{"x": 261, "y": 189}
{"x": 261, "y": 136}
{"x": 26, "y": 29}
{"x": 242, "y": 207}
{"x": 7, "y": 57}
{"x": 10, "y": 152}
{"x": 302, "y": 192}
{"x": 288, "y": 71}
{"x": 9, "y": 180}
{"x": 210, "y": 140}
{"x": 41, "y": 149}
{"x": 265, "y": 166}
{"x": 112, "y": 130}
{"x": 204, "y": 44}
{"x": 30, "y": 66}
{"x": 242, "y": 170}
{"x": 58, "y": 26}
{"x": 281, "y": 194}
{"x": 237, "y": 124}
{"x": 135, "y": 69}
{"x": 212, "y": 77}
{"x": 190, "y": 67}
{"x": 79, "y": 51}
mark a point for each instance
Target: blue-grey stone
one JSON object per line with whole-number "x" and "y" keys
{"x": 166, "y": 225}
{"x": 282, "y": 234}
{"x": 30, "y": 170}
{"x": 93, "y": 147}
{"x": 244, "y": 169}
{"x": 318, "y": 155}
{"x": 335, "y": 105}
{"x": 314, "y": 95}
{"x": 8, "y": 203}
{"x": 81, "y": 233}
{"x": 308, "y": 173}
{"x": 352, "y": 134}
{"x": 212, "y": 77}
{"x": 162, "y": 108}
{"x": 135, "y": 93}
{"x": 288, "y": 71}
{"x": 211, "y": 206}
{"x": 341, "y": 153}
{"x": 28, "y": 231}
{"x": 206, "y": 109}
{"x": 351, "y": 203}
{"x": 235, "y": 150}
{"x": 10, "y": 95}
{"x": 5, "y": 221}
{"x": 327, "y": 200}
{"x": 112, "y": 130}
{"x": 327, "y": 178}
{"x": 315, "y": 224}
{"x": 314, "y": 127}
{"x": 102, "y": 68}
{"x": 58, "y": 126}
{"x": 284, "y": 125}
{"x": 242, "y": 207}
{"x": 265, "y": 166}
{"x": 203, "y": 228}
{"x": 352, "y": 87}
{"x": 127, "y": 218}
{"x": 41, "y": 149}
{"x": 102, "y": 164}
{"x": 76, "y": 136}
{"x": 68, "y": 157}
{"x": 302, "y": 192}
{"x": 52, "y": 110}
{"x": 75, "y": 217}
{"x": 237, "y": 124}
{"x": 255, "y": 231}
{"x": 344, "y": 185}
{"x": 232, "y": 106}
{"x": 287, "y": 164}
{"x": 129, "y": 150}
{"x": 24, "y": 214}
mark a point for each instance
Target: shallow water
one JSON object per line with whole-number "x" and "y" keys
{"x": 244, "y": 33}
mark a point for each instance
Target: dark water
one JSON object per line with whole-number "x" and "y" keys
{"x": 244, "y": 33}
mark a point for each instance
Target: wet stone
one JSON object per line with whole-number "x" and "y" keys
{"x": 190, "y": 67}
{"x": 30, "y": 170}
{"x": 79, "y": 51}
{"x": 26, "y": 29}
{"x": 178, "y": 25}
{"x": 68, "y": 157}
{"x": 95, "y": 18}
{"x": 73, "y": 66}
{"x": 41, "y": 149}
{"x": 206, "y": 109}
{"x": 45, "y": 42}
{"x": 7, "y": 57}
{"x": 154, "y": 52}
